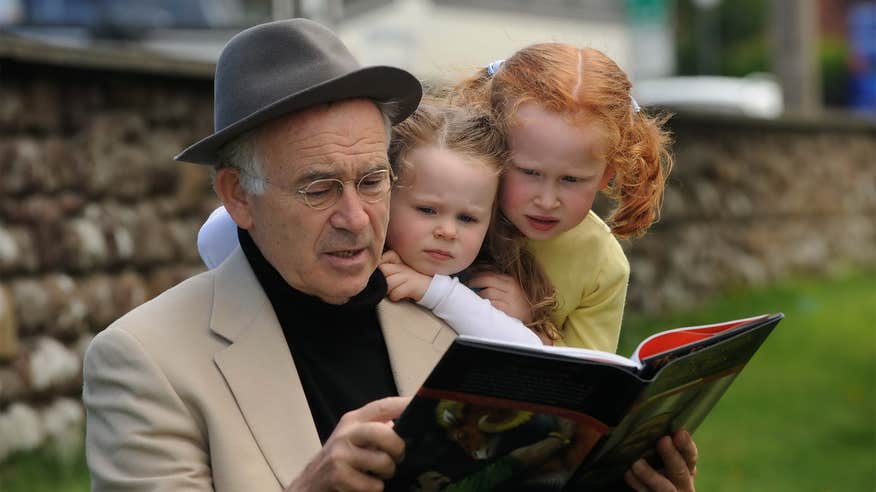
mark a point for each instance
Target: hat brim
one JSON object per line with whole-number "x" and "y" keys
{"x": 380, "y": 83}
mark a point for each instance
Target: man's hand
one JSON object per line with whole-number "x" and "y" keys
{"x": 679, "y": 455}
{"x": 361, "y": 452}
{"x": 504, "y": 293}
{"x": 402, "y": 281}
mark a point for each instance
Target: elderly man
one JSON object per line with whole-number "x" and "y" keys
{"x": 279, "y": 369}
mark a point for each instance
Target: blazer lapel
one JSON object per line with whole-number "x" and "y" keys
{"x": 260, "y": 370}
{"x": 415, "y": 340}
{"x": 262, "y": 376}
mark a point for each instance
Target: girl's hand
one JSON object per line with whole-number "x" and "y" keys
{"x": 402, "y": 281}
{"x": 504, "y": 293}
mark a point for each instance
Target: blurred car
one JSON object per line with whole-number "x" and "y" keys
{"x": 757, "y": 95}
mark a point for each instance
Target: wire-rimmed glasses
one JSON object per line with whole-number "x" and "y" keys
{"x": 321, "y": 194}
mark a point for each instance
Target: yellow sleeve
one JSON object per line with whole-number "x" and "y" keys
{"x": 596, "y": 322}
{"x": 588, "y": 268}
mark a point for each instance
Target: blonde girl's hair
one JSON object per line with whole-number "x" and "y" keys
{"x": 474, "y": 134}
{"x": 587, "y": 87}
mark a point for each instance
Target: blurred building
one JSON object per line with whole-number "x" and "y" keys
{"x": 442, "y": 39}
{"x": 435, "y": 39}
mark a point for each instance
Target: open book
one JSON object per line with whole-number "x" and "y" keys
{"x": 501, "y": 416}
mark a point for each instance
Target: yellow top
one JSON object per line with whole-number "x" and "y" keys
{"x": 590, "y": 272}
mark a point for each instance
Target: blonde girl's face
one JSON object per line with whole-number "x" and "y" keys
{"x": 553, "y": 175}
{"x": 439, "y": 216}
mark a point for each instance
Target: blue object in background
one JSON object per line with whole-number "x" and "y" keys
{"x": 132, "y": 13}
{"x": 862, "y": 41}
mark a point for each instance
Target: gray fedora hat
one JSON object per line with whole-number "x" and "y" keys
{"x": 277, "y": 68}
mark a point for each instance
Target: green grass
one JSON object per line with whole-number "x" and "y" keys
{"x": 43, "y": 471}
{"x": 802, "y": 415}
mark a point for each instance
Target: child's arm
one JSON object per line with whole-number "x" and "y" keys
{"x": 594, "y": 324}
{"x": 469, "y": 314}
{"x": 456, "y": 304}
{"x": 217, "y": 238}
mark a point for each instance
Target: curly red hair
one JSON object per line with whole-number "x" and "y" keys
{"x": 588, "y": 88}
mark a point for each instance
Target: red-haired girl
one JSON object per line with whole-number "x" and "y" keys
{"x": 573, "y": 130}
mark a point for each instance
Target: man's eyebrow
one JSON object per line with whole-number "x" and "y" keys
{"x": 323, "y": 172}
{"x": 314, "y": 173}
{"x": 377, "y": 165}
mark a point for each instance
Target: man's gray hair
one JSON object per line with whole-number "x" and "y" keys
{"x": 242, "y": 153}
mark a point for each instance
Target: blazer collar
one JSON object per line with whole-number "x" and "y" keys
{"x": 262, "y": 376}
{"x": 415, "y": 340}
{"x": 260, "y": 371}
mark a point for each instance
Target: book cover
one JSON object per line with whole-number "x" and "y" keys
{"x": 500, "y": 416}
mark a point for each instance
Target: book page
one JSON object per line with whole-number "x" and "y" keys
{"x": 573, "y": 352}
{"x": 491, "y": 417}
{"x": 669, "y": 340}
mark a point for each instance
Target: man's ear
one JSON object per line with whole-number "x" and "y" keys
{"x": 237, "y": 201}
{"x": 606, "y": 176}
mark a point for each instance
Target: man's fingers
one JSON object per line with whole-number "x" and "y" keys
{"x": 381, "y": 410}
{"x": 363, "y": 449}
{"x": 633, "y": 482}
{"x": 688, "y": 449}
{"x": 347, "y": 477}
{"x": 374, "y": 462}
{"x": 676, "y": 468}
{"x": 378, "y": 436}
{"x": 650, "y": 478}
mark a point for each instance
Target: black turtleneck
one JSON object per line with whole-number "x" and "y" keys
{"x": 338, "y": 350}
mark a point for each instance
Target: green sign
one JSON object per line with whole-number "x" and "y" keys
{"x": 648, "y": 11}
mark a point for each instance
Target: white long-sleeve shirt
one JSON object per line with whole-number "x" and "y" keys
{"x": 469, "y": 314}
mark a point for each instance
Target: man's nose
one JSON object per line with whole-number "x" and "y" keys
{"x": 349, "y": 213}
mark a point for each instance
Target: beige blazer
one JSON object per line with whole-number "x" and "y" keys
{"x": 197, "y": 390}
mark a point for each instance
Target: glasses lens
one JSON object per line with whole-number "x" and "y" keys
{"x": 374, "y": 186}
{"x": 322, "y": 193}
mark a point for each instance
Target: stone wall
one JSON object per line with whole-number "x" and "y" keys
{"x": 752, "y": 201}
{"x": 96, "y": 218}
